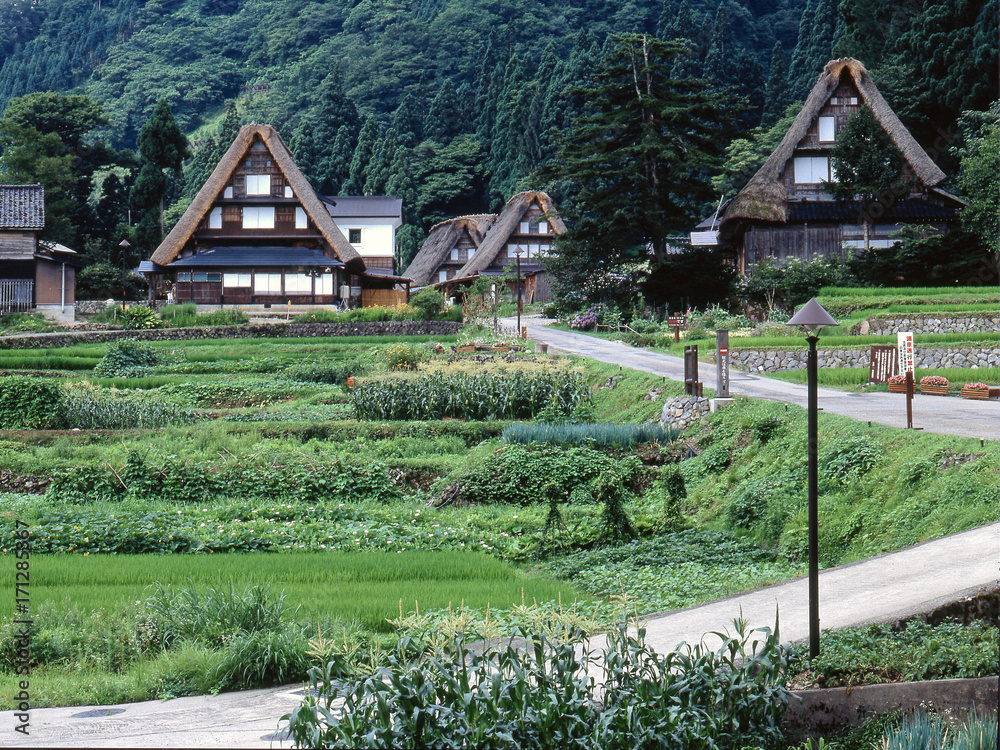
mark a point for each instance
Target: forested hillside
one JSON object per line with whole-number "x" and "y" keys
{"x": 452, "y": 104}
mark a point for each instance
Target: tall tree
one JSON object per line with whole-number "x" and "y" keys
{"x": 640, "y": 158}
{"x": 776, "y": 91}
{"x": 364, "y": 152}
{"x": 162, "y": 151}
{"x": 979, "y": 177}
{"x": 868, "y": 165}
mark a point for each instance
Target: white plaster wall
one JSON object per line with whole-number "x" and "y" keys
{"x": 376, "y": 239}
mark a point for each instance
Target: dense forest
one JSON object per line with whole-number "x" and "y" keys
{"x": 450, "y": 104}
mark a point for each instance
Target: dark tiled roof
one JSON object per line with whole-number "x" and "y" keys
{"x": 907, "y": 210}
{"x": 232, "y": 255}
{"x": 22, "y": 207}
{"x": 363, "y": 206}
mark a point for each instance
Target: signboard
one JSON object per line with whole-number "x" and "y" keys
{"x": 677, "y": 321}
{"x": 722, "y": 363}
{"x": 882, "y": 363}
{"x": 904, "y": 345}
{"x": 704, "y": 239}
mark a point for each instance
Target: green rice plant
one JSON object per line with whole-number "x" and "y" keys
{"x": 490, "y": 395}
{"x": 604, "y": 435}
{"x": 44, "y": 359}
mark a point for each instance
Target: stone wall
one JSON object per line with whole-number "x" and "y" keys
{"x": 262, "y": 330}
{"x": 774, "y": 360}
{"x": 90, "y": 306}
{"x": 683, "y": 411}
{"x": 926, "y": 323}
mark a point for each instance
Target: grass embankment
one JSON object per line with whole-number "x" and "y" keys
{"x": 856, "y": 377}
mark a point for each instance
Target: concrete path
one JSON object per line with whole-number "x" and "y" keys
{"x": 945, "y": 415}
{"x": 883, "y": 588}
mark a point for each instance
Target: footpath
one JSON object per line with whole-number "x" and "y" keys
{"x": 944, "y": 415}
{"x": 879, "y": 589}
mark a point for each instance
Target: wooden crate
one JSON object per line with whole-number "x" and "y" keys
{"x": 934, "y": 390}
{"x": 975, "y": 393}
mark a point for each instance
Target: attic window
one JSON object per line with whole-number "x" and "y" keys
{"x": 258, "y": 184}
{"x": 288, "y": 191}
{"x": 261, "y": 217}
{"x": 301, "y": 221}
{"x": 454, "y": 253}
{"x": 827, "y": 129}
{"x": 215, "y": 218}
{"x": 525, "y": 227}
{"x": 811, "y": 169}
{"x": 354, "y": 236}
{"x": 228, "y": 192}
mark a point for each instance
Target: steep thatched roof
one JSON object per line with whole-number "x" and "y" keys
{"x": 182, "y": 232}
{"x": 765, "y": 198}
{"x": 506, "y": 225}
{"x": 440, "y": 240}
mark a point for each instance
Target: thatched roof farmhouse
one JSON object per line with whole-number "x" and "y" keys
{"x": 785, "y": 211}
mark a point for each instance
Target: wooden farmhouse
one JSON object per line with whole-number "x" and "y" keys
{"x": 785, "y": 210}
{"x": 257, "y": 235}
{"x": 34, "y": 275}
{"x": 459, "y": 250}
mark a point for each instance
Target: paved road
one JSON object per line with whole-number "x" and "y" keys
{"x": 949, "y": 416}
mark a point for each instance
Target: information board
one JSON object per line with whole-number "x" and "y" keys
{"x": 904, "y": 347}
{"x": 883, "y": 362}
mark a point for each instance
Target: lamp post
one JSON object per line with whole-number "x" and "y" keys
{"x": 518, "y": 252}
{"x": 124, "y": 245}
{"x": 813, "y": 317}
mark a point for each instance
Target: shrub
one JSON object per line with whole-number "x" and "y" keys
{"x": 29, "y": 403}
{"x": 429, "y": 303}
{"x": 587, "y": 319}
{"x": 257, "y": 658}
{"x": 520, "y": 473}
{"x": 139, "y": 317}
{"x": 126, "y": 358}
{"x": 401, "y": 357}
{"x": 541, "y": 695}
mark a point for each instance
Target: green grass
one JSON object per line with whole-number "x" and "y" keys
{"x": 908, "y": 291}
{"x": 365, "y": 588}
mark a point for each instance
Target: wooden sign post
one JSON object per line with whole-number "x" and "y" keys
{"x": 722, "y": 363}
{"x": 692, "y": 387}
{"x": 677, "y": 322}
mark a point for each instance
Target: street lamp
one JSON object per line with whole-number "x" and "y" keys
{"x": 518, "y": 252}
{"x": 124, "y": 245}
{"x": 813, "y": 317}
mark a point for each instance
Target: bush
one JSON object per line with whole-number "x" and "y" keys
{"x": 589, "y": 318}
{"x": 126, "y": 358}
{"x": 29, "y": 403}
{"x": 401, "y": 357}
{"x": 520, "y": 473}
{"x": 541, "y": 695}
{"x": 429, "y": 303}
{"x": 258, "y": 658}
{"x": 139, "y": 317}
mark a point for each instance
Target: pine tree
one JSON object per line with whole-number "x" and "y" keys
{"x": 162, "y": 151}
{"x": 303, "y": 148}
{"x": 362, "y": 158}
{"x": 799, "y": 71}
{"x": 721, "y": 57}
{"x": 408, "y": 122}
{"x": 776, "y": 91}
{"x": 868, "y": 164}
{"x": 444, "y": 115}
{"x": 228, "y": 132}
{"x": 383, "y": 157}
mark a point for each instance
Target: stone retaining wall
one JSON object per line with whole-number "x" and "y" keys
{"x": 262, "y": 330}
{"x": 774, "y": 360}
{"x": 90, "y": 306}
{"x": 926, "y": 323}
{"x": 683, "y": 411}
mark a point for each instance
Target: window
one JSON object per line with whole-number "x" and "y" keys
{"x": 525, "y": 227}
{"x": 298, "y": 283}
{"x": 228, "y": 192}
{"x": 258, "y": 184}
{"x": 324, "y": 284}
{"x": 184, "y": 276}
{"x": 544, "y": 249}
{"x": 301, "y": 220}
{"x": 532, "y": 251}
{"x": 215, "y": 218}
{"x": 811, "y": 169}
{"x": 355, "y": 236}
{"x": 827, "y": 129}
{"x": 442, "y": 276}
{"x": 258, "y": 217}
{"x": 472, "y": 251}
{"x": 288, "y": 191}
{"x": 543, "y": 228}
{"x": 236, "y": 280}
{"x": 206, "y": 276}
{"x": 267, "y": 283}
{"x": 454, "y": 253}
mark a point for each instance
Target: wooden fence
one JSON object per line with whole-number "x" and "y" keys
{"x": 16, "y": 295}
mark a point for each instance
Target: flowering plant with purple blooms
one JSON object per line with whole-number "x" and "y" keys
{"x": 933, "y": 380}
{"x": 588, "y": 318}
